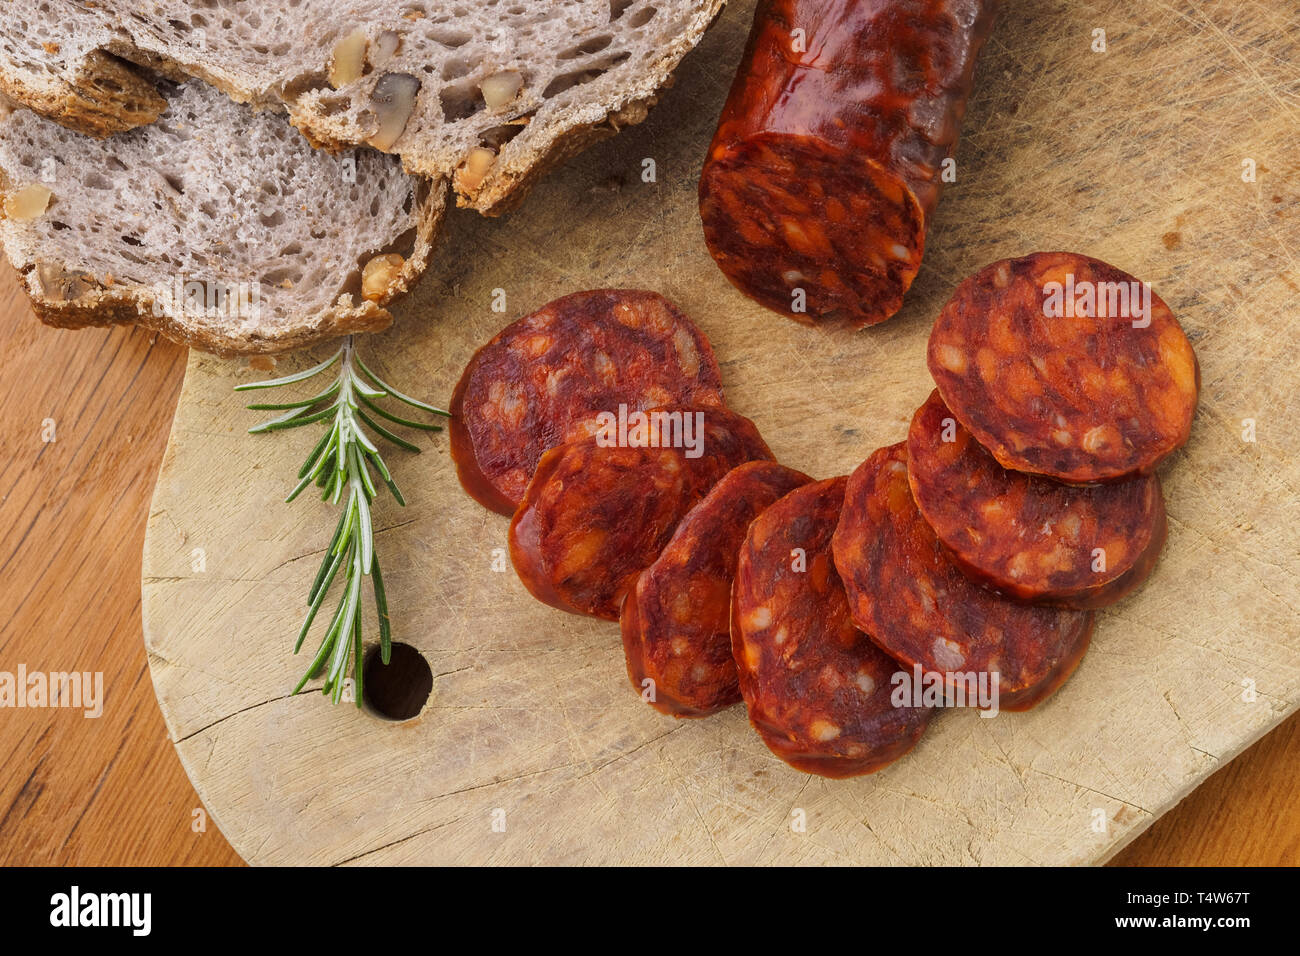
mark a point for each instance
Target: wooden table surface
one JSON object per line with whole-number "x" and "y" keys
{"x": 111, "y": 790}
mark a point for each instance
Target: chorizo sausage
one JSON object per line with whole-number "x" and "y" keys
{"x": 540, "y": 381}
{"x": 1031, "y": 538}
{"x": 1064, "y": 366}
{"x": 920, "y": 609}
{"x": 817, "y": 689}
{"x": 826, "y": 166}
{"x": 600, "y": 509}
{"x": 676, "y": 620}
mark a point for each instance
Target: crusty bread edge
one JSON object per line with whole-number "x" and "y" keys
{"x": 505, "y": 185}
{"x": 133, "y": 305}
{"x": 506, "y": 190}
{"x": 107, "y": 96}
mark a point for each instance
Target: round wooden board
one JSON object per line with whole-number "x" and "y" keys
{"x": 1134, "y": 155}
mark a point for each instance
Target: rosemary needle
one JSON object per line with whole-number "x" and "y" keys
{"x": 341, "y": 461}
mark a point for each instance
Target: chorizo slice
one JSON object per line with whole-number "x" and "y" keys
{"x": 827, "y": 163}
{"x": 541, "y": 381}
{"x": 1064, "y": 366}
{"x": 817, "y": 689}
{"x": 676, "y": 621}
{"x": 1027, "y": 537}
{"x": 600, "y": 509}
{"x": 923, "y": 611}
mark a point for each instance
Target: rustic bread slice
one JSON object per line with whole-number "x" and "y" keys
{"x": 489, "y": 93}
{"x": 215, "y": 225}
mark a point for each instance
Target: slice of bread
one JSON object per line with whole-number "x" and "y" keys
{"x": 489, "y": 94}
{"x": 215, "y": 225}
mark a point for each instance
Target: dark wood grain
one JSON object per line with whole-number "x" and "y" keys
{"x": 72, "y": 517}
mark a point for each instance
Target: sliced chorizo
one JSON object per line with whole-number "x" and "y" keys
{"x": 676, "y": 621}
{"x": 1028, "y": 537}
{"x": 827, "y": 163}
{"x": 1064, "y": 366}
{"x": 598, "y": 510}
{"x": 541, "y": 380}
{"x": 819, "y": 692}
{"x": 922, "y": 610}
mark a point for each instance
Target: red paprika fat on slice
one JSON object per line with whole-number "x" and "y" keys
{"x": 596, "y": 515}
{"x": 676, "y": 620}
{"x": 1065, "y": 366}
{"x": 920, "y": 609}
{"x": 542, "y": 380}
{"x": 1031, "y": 538}
{"x": 820, "y": 182}
{"x": 819, "y": 692}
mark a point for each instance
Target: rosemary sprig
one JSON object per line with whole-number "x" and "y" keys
{"x": 340, "y": 464}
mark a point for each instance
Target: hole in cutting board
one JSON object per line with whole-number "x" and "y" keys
{"x": 396, "y": 690}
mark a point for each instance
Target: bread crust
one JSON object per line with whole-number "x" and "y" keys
{"x": 500, "y": 193}
{"x": 107, "y": 96}
{"x": 135, "y": 307}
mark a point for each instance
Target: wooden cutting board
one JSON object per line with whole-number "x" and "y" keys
{"x": 1134, "y": 155}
